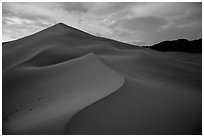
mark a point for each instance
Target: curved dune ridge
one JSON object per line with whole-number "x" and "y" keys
{"x": 70, "y": 87}
{"x": 65, "y": 81}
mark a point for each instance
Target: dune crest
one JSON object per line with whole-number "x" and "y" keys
{"x": 70, "y": 87}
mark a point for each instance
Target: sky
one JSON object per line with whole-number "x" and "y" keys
{"x": 136, "y": 23}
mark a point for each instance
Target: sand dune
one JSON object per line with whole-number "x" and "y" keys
{"x": 153, "y": 100}
{"x": 65, "y": 81}
{"x": 63, "y": 90}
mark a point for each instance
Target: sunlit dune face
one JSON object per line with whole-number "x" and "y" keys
{"x": 135, "y": 23}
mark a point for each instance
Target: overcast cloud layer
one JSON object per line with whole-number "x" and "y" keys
{"x": 135, "y": 23}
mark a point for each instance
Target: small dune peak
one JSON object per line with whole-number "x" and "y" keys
{"x": 61, "y": 28}
{"x": 60, "y": 24}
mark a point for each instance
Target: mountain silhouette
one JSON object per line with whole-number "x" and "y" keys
{"x": 181, "y": 45}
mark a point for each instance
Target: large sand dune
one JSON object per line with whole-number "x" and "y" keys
{"x": 153, "y": 100}
{"x": 56, "y": 94}
{"x": 65, "y": 81}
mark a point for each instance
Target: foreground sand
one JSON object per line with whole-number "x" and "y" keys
{"x": 159, "y": 97}
{"x": 64, "y": 81}
{"x": 57, "y": 93}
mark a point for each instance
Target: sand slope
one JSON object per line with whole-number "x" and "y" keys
{"x": 56, "y": 94}
{"x": 159, "y": 97}
{"x": 65, "y": 81}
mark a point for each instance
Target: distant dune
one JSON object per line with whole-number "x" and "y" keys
{"x": 64, "y": 81}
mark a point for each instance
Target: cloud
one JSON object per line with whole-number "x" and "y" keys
{"x": 17, "y": 22}
{"x": 106, "y": 8}
{"x": 76, "y": 7}
{"x": 143, "y": 24}
{"x": 12, "y": 32}
{"x": 123, "y": 21}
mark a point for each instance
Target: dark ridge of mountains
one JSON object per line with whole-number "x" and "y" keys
{"x": 181, "y": 45}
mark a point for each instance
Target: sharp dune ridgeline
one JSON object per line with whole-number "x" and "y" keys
{"x": 64, "y": 81}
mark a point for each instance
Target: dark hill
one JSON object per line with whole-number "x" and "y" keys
{"x": 181, "y": 45}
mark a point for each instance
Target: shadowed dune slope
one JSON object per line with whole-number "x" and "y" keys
{"x": 42, "y": 100}
{"x": 65, "y": 81}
